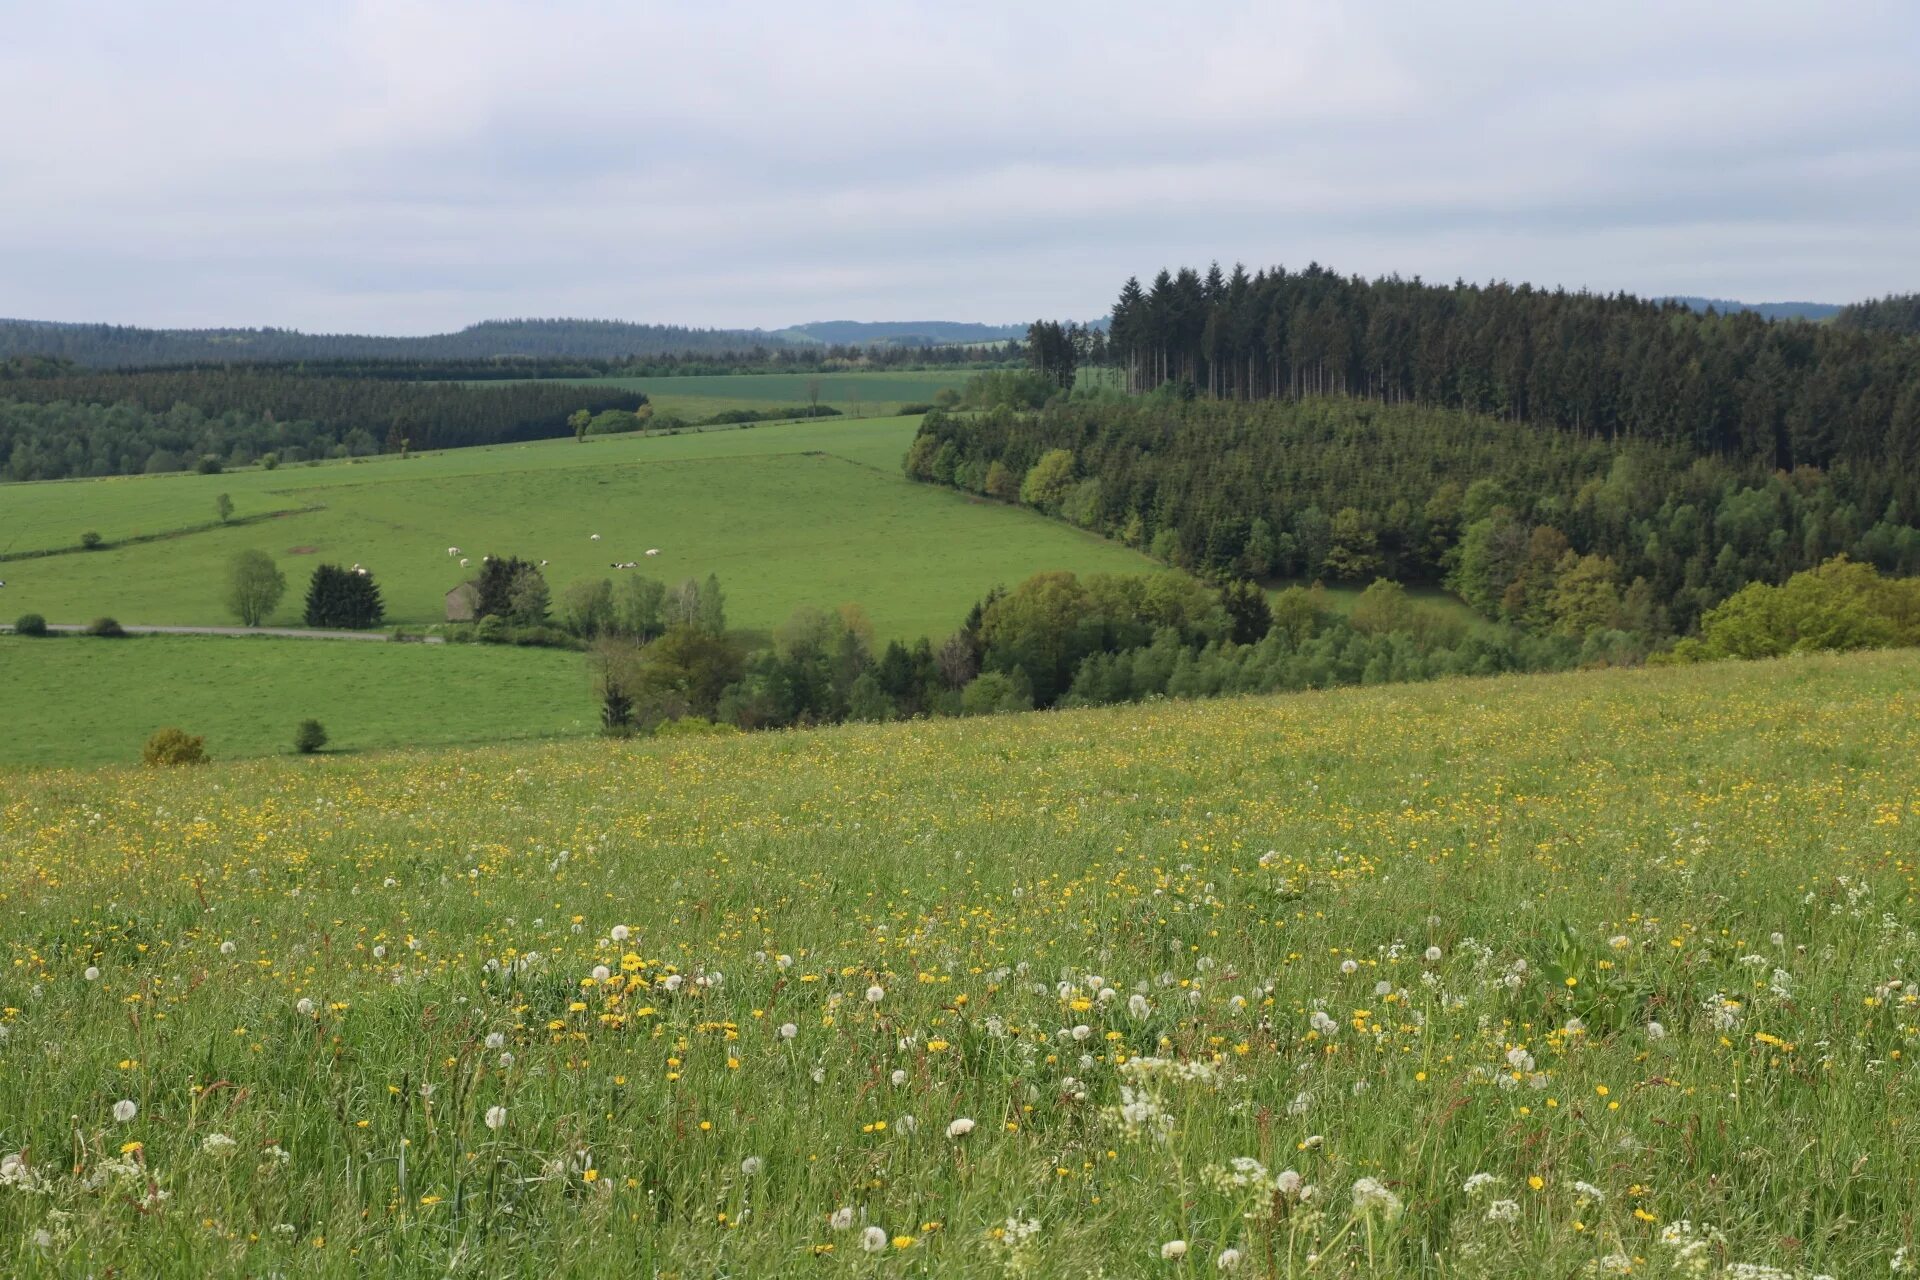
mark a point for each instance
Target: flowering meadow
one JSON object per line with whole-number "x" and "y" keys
{"x": 1585, "y": 975}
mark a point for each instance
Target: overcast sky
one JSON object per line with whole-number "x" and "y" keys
{"x": 408, "y": 166}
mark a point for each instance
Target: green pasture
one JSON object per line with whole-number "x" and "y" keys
{"x": 77, "y": 700}
{"x": 809, "y": 512}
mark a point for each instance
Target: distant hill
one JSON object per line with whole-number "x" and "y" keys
{"x": 902, "y": 333}
{"x": 108, "y": 345}
{"x": 1767, "y": 310}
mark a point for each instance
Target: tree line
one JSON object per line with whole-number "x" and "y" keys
{"x": 122, "y": 423}
{"x": 1784, "y": 395}
{"x": 1347, "y": 490}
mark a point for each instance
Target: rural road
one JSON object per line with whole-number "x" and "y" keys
{"x": 292, "y": 633}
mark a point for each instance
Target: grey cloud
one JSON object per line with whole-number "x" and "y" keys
{"x": 408, "y": 165}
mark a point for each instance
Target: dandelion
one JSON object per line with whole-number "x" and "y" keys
{"x": 1173, "y": 1250}
{"x": 1655, "y": 1031}
{"x": 1137, "y": 1006}
{"x": 621, "y": 933}
{"x": 1371, "y": 1196}
{"x": 1433, "y": 955}
{"x": 788, "y": 1031}
{"x": 960, "y": 1128}
{"x": 496, "y": 1118}
{"x": 873, "y": 1240}
{"x": 1349, "y": 966}
{"x": 125, "y": 1110}
{"x": 601, "y": 973}
{"x": 906, "y": 1124}
{"x": 899, "y": 1077}
{"x": 304, "y": 1007}
{"x": 495, "y": 1040}
{"x": 842, "y": 1218}
{"x": 1229, "y": 1260}
{"x": 876, "y": 993}
{"x": 751, "y": 1166}
{"x": 92, "y": 974}
{"x": 227, "y": 948}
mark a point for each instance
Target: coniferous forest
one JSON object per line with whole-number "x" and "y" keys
{"x": 1560, "y": 461}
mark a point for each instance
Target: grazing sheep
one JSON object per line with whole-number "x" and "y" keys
{"x": 593, "y": 537}
{"x": 453, "y": 551}
{"x": 463, "y": 562}
{"x": 653, "y": 551}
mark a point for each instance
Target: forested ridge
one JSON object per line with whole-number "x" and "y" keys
{"x": 1786, "y": 394}
{"x": 1897, "y": 313}
{"x": 116, "y": 423}
{"x": 119, "y": 345}
{"x": 1551, "y": 529}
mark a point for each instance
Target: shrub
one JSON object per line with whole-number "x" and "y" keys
{"x": 309, "y": 737}
{"x": 209, "y": 465}
{"x": 91, "y": 539}
{"x": 106, "y": 628}
{"x": 269, "y": 461}
{"x": 30, "y": 624}
{"x": 171, "y": 746}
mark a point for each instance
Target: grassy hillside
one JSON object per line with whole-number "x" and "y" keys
{"x": 81, "y": 701}
{"x": 812, "y": 512}
{"x": 1521, "y": 977}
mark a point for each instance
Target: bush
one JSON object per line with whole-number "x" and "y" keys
{"x": 91, "y": 539}
{"x": 30, "y": 624}
{"x": 209, "y": 465}
{"x": 309, "y": 737}
{"x": 269, "y": 461}
{"x": 106, "y": 628}
{"x": 171, "y": 746}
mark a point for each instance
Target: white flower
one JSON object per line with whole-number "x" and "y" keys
{"x": 842, "y": 1218}
{"x": 673, "y": 982}
{"x": 1369, "y": 1194}
{"x": 506, "y": 1059}
{"x": 906, "y": 1123}
{"x": 1433, "y": 954}
{"x": 496, "y": 1117}
{"x": 601, "y": 973}
{"x": 1349, "y": 966}
{"x": 752, "y": 1166}
{"x": 125, "y": 1110}
{"x": 227, "y": 948}
{"x": 1480, "y": 1182}
{"x": 621, "y": 933}
{"x": 899, "y": 1077}
{"x": 1503, "y": 1211}
{"x": 1656, "y": 1032}
{"x": 1137, "y": 1005}
{"x": 788, "y": 1031}
{"x": 215, "y": 1143}
{"x": 1229, "y": 1260}
{"x": 1590, "y": 1191}
{"x": 873, "y": 1240}
{"x": 304, "y": 1007}
{"x": 92, "y": 974}
{"x": 960, "y": 1128}
{"x": 496, "y": 1040}
{"x": 1173, "y": 1250}
{"x": 876, "y": 993}
{"x": 380, "y": 951}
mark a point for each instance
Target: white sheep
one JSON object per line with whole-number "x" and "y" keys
{"x": 453, "y": 551}
{"x": 653, "y": 551}
{"x": 463, "y": 562}
{"x": 593, "y": 537}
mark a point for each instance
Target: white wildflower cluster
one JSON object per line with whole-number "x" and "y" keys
{"x": 1176, "y": 1070}
{"x": 1246, "y": 1174}
{"x": 1139, "y": 1114}
{"x": 1371, "y": 1196}
{"x": 217, "y": 1144}
{"x": 1691, "y": 1247}
{"x": 16, "y": 1174}
{"x": 1014, "y": 1243}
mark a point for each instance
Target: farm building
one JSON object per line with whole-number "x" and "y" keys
{"x": 461, "y": 602}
